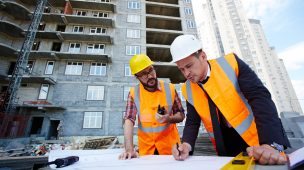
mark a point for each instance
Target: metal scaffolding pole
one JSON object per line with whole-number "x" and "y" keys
{"x": 10, "y": 98}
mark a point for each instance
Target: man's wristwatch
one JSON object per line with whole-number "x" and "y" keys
{"x": 277, "y": 146}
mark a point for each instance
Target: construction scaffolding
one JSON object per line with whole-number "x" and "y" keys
{"x": 10, "y": 99}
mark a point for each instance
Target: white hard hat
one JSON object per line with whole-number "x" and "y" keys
{"x": 183, "y": 46}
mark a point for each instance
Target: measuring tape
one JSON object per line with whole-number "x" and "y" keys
{"x": 241, "y": 162}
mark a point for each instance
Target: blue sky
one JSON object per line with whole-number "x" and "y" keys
{"x": 283, "y": 24}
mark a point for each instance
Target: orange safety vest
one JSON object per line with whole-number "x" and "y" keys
{"x": 223, "y": 88}
{"x": 152, "y": 134}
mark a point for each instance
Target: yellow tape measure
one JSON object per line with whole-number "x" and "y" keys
{"x": 240, "y": 162}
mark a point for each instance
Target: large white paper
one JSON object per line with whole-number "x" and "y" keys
{"x": 296, "y": 157}
{"x": 108, "y": 159}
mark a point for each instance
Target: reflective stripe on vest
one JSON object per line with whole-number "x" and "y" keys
{"x": 231, "y": 75}
{"x": 241, "y": 128}
{"x": 137, "y": 103}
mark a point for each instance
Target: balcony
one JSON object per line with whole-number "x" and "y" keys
{"x": 8, "y": 51}
{"x": 67, "y": 36}
{"x": 163, "y": 37}
{"x": 4, "y": 79}
{"x": 11, "y": 29}
{"x": 77, "y": 4}
{"x": 74, "y": 19}
{"x": 40, "y": 105}
{"x": 52, "y": 55}
{"x": 164, "y": 1}
{"x": 159, "y": 53}
{"x": 16, "y": 10}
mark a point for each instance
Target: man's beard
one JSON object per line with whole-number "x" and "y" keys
{"x": 150, "y": 86}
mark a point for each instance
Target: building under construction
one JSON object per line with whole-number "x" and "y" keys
{"x": 76, "y": 78}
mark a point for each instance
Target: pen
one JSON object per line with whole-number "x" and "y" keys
{"x": 178, "y": 149}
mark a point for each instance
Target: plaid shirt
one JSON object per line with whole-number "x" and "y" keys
{"x": 131, "y": 110}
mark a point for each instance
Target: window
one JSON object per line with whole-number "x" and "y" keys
{"x": 95, "y": 93}
{"x": 81, "y": 13}
{"x": 188, "y": 11}
{"x": 43, "y": 91}
{"x": 74, "y": 48}
{"x": 56, "y": 46}
{"x": 133, "y": 5}
{"x": 41, "y": 26}
{"x": 126, "y": 92}
{"x": 95, "y": 48}
{"x": 127, "y": 70}
{"x": 100, "y": 14}
{"x": 73, "y": 68}
{"x": 190, "y": 24}
{"x": 92, "y": 120}
{"x": 133, "y": 18}
{"x": 61, "y": 28}
{"x": 35, "y": 46}
{"x": 29, "y": 67}
{"x": 49, "y": 67}
{"x": 78, "y": 29}
{"x": 132, "y": 33}
{"x": 97, "y": 30}
{"x": 188, "y": 1}
{"x": 132, "y": 49}
{"x": 98, "y": 69}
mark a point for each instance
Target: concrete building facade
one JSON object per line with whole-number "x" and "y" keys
{"x": 78, "y": 74}
{"x": 224, "y": 28}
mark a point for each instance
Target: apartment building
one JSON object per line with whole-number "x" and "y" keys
{"x": 78, "y": 71}
{"x": 224, "y": 28}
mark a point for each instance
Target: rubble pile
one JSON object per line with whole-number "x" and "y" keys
{"x": 43, "y": 147}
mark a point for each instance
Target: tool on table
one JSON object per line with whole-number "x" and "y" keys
{"x": 241, "y": 162}
{"x": 62, "y": 162}
{"x": 161, "y": 110}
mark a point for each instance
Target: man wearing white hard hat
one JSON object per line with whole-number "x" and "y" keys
{"x": 231, "y": 101}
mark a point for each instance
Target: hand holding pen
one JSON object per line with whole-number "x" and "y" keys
{"x": 180, "y": 152}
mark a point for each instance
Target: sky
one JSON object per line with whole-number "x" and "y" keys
{"x": 283, "y": 24}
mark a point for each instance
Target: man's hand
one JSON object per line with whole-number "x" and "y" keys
{"x": 266, "y": 155}
{"x": 163, "y": 118}
{"x": 128, "y": 155}
{"x": 182, "y": 152}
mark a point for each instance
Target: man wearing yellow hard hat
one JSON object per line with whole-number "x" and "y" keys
{"x": 157, "y": 108}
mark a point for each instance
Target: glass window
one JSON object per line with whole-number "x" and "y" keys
{"x": 132, "y": 49}
{"x": 78, "y": 29}
{"x": 97, "y": 30}
{"x": 95, "y": 48}
{"x": 133, "y": 33}
{"x": 81, "y": 13}
{"x": 133, "y": 5}
{"x": 95, "y": 93}
{"x": 188, "y": 1}
{"x": 74, "y": 48}
{"x": 190, "y": 24}
{"x": 127, "y": 70}
{"x": 133, "y": 18}
{"x": 73, "y": 68}
{"x": 188, "y": 11}
{"x": 43, "y": 91}
{"x": 49, "y": 67}
{"x": 92, "y": 120}
{"x": 100, "y": 14}
{"x": 98, "y": 69}
{"x": 126, "y": 92}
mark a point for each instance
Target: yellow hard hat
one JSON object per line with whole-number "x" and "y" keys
{"x": 139, "y": 62}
